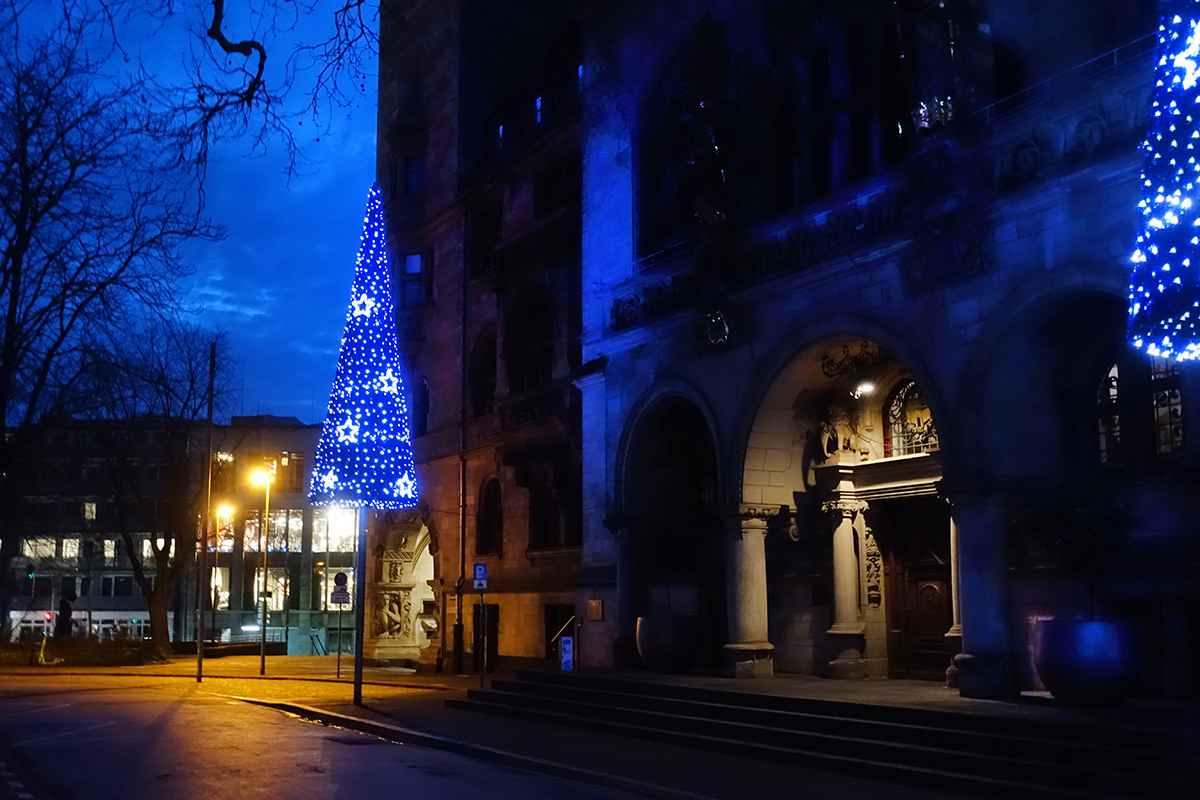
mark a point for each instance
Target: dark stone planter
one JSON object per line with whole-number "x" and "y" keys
{"x": 1089, "y": 663}
{"x": 669, "y": 643}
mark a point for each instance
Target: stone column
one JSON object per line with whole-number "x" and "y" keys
{"x": 748, "y": 654}
{"x": 954, "y": 635}
{"x": 848, "y": 627}
{"x": 986, "y": 665}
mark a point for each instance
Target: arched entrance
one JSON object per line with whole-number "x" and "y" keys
{"x": 674, "y": 554}
{"x": 842, "y": 461}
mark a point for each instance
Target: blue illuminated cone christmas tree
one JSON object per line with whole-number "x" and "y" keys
{"x": 364, "y": 456}
{"x": 1164, "y": 289}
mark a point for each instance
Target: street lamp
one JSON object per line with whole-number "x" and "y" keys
{"x": 263, "y": 477}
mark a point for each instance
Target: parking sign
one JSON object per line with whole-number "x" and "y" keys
{"x": 481, "y": 576}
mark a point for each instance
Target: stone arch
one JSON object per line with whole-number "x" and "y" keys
{"x": 767, "y": 390}
{"x": 811, "y": 439}
{"x": 1045, "y": 332}
{"x": 672, "y": 555}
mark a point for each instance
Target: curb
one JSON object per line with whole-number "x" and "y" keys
{"x": 395, "y": 733}
{"x": 63, "y": 673}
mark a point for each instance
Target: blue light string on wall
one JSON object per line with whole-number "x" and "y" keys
{"x": 1164, "y": 288}
{"x": 364, "y": 455}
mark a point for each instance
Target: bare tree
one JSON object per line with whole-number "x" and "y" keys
{"x": 152, "y": 384}
{"x": 97, "y": 192}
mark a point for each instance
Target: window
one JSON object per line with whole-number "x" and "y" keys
{"x": 556, "y": 186}
{"x": 278, "y": 585}
{"x": 70, "y": 548}
{"x": 489, "y": 520}
{"x": 110, "y": 550}
{"x": 907, "y": 423}
{"x": 116, "y": 586}
{"x": 412, "y": 174}
{"x": 1139, "y": 413}
{"x": 483, "y": 235}
{"x": 89, "y": 510}
{"x": 43, "y": 586}
{"x": 482, "y": 380}
{"x": 407, "y": 177}
{"x": 529, "y": 343}
{"x": 420, "y": 407}
{"x": 38, "y": 547}
{"x": 66, "y": 588}
{"x": 333, "y": 530}
{"x": 223, "y": 476}
{"x": 416, "y": 279}
{"x": 1167, "y": 406}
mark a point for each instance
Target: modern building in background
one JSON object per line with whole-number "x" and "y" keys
{"x": 72, "y": 546}
{"x": 779, "y": 314}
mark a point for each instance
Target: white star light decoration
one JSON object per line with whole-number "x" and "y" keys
{"x": 389, "y": 382}
{"x": 364, "y": 455}
{"x": 1164, "y": 286}
{"x": 347, "y": 432}
{"x": 363, "y": 306}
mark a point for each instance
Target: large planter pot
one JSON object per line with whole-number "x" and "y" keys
{"x": 1089, "y": 663}
{"x": 669, "y": 643}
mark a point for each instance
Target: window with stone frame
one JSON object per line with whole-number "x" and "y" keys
{"x": 529, "y": 342}
{"x": 482, "y": 376}
{"x": 489, "y": 520}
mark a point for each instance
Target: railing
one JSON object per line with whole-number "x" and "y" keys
{"x": 537, "y": 404}
{"x": 1131, "y": 51}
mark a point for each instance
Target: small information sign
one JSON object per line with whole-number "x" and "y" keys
{"x": 567, "y": 653}
{"x": 481, "y": 576}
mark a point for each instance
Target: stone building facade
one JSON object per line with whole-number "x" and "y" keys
{"x": 851, "y": 292}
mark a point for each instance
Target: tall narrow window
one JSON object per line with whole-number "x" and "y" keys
{"x": 489, "y": 521}
{"x": 529, "y": 343}
{"x": 420, "y": 407}
{"x": 1167, "y": 404}
{"x": 1108, "y": 419}
{"x": 483, "y": 376}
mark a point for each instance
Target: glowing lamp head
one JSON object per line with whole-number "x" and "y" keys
{"x": 260, "y": 477}
{"x": 864, "y": 387}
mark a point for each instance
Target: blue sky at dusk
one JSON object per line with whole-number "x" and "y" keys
{"x": 280, "y": 282}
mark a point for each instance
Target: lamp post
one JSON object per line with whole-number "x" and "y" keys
{"x": 263, "y": 477}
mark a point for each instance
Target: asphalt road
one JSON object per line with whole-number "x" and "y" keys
{"x": 94, "y": 739}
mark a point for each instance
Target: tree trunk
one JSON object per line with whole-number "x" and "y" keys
{"x": 160, "y": 634}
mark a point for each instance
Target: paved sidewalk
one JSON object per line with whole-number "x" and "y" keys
{"x": 407, "y": 707}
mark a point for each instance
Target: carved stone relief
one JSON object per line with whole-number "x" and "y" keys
{"x": 393, "y": 618}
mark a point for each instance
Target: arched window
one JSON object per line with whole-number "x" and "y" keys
{"x": 529, "y": 343}
{"x": 907, "y": 422}
{"x": 482, "y": 376}
{"x": 489, "y": 520}
{"x": 420, "y": 407}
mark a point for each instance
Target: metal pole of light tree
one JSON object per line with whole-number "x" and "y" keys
{"x": 360, "y": 596}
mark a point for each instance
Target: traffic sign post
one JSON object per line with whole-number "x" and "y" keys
{"x": 481, "y": 584}
{"x": 340, "y": 597}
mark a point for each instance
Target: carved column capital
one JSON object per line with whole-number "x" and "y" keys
{"x": 844, "y": 507}
{"x": 756, "y": 512}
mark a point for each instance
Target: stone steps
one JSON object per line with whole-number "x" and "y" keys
{"x": 976, "y": 754}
